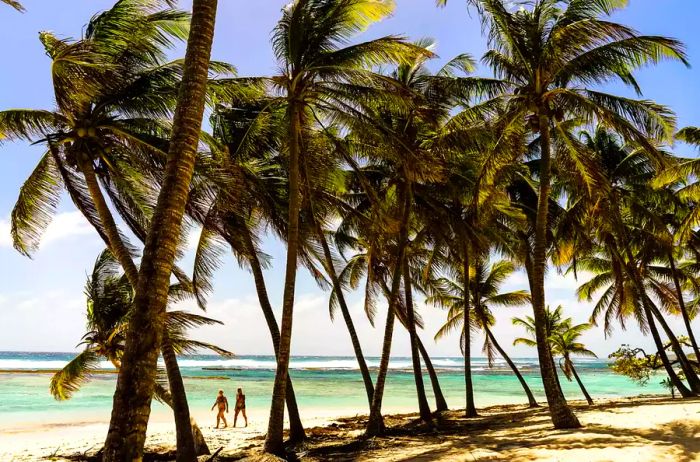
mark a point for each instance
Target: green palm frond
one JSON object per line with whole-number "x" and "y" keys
{"x": 36, "y": 205}
{"x": 68, "y": 380}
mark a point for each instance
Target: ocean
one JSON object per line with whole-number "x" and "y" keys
{"x": 323, "y": 385}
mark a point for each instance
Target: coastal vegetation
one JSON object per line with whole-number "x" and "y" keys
{"x": 379, "y": 174}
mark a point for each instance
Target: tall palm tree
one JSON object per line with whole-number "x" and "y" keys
{"x": 450, "y": 295}
{"x": 249, "y": 200}
{"x": 549, "y": 53}
{"x": 563, "y": 336}
{"x": 112, "y": 88}
{"x": 132, "y": 399}
{"x": 109, "y": 296}
{"x": 317, "y": 75}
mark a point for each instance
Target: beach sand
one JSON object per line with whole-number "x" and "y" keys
{"x": 635, "y": 429}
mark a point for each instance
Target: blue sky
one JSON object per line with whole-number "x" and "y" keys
{"x": 41, "y": 301}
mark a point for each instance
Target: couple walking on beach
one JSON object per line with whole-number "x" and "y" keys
{"x": 222, "y": 404}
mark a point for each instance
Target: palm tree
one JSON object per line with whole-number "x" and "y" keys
{"x": 105, "y": 127}
{"x": 563, "y": 336}
{"x": 450, "y": 295}
{"x": 109, "y": 296}
{"x": 549, "y": 54}
{"x": 565, "y": 344}
{"x": 628, "y": 242}
{"x": 317, "y": 69}
{"x": 620, "y": 299}
{"x": 237, "y": 214}
{"x": 136, "y": 382}
{"x": 111, "y": 88}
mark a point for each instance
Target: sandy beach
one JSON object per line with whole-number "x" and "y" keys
{"x": 634, "y": 429}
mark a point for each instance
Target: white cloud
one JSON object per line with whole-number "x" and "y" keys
{"x": 65, "y": 225}
{"x": 52, "y": 321}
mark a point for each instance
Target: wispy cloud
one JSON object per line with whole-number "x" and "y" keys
{"x": 65, "y": 225}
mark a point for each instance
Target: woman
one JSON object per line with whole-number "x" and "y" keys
{"x": 240, "y": 407}
{"x": 222, "y": 403}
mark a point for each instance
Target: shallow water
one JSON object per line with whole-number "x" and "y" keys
{"x": 323, "y": 385}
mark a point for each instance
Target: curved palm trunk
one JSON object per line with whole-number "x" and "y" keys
{"x": 580, "y": 384}
{"x": 470, "y": 410}
{"x": 114, "y": 239}
{"x": 440, "y": 403}
{"x": 633, "y": 272}
{"x": 186, "y": 450}
{"x": 690, "y": 375}
{"x": 683, "y": 308}
{"x": 274, "y": 441}
{"x": 675, "y": 380}
{"x": 423, "y": 407}
{"x": 375, "y": 422}
{"x": 357, "y": 348}
{"x": 562, "y": 415}
{"x": 183, "y": 423}
{"x": 296, "y": 429}
{"x": 136, "y": 381}
{"x": 530, "y": 397}
{"x": 200, "y": 444}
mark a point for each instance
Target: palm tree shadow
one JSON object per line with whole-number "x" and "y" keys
{"x": 518, "y": 436}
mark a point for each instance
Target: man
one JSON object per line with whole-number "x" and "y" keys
{"x": 222, "y": 403}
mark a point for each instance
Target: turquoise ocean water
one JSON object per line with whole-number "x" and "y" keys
{"x": 323, "y": 385}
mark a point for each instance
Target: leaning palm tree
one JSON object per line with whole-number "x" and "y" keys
{"x": 109, "y": 295}
{"x": 450, "y": 294}
{"x": 132, "y": 399}
{"x": 565, "y": 344}
{"x": 105, "y": 135}
{"x": 562, "y": 336}
{"x": 319, "y": 74}
{"x": 112, "y": 89}
{"x": 549, "y": 53}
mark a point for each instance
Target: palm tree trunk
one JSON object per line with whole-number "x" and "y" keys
{"x": 375, "y": 422}
{"x": 580, "y": 384}
{"x": 634, "y": 274}
{"x": 423, "y": 407}
{"x": 184, "y": 425}
{"x": 113, "y": 237}
{"x": 690, "y": 375}
{"x": 273, "y": 442}
{"x": 136, "y": 381}
{"x": 357, "y": 348}
{"x": 562, "y": 415}
{"x": 186, "y": 451}
{"x": 200, "y": 444}
{"x": 677, "y": 382}
{"x": 683, "y": 308}
{"x": 296, "y": 428}
{"x": 185, "y": 443}
{"x": 530, "y": 397}
{"x": 470, "y": 410}
{"x": 440, "y": 403}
